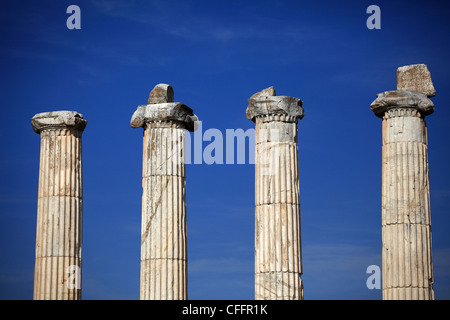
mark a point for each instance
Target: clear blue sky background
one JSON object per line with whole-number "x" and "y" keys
{"x": 216, "y": 54}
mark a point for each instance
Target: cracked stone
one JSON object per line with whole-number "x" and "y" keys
{"x": 161, "y": 93}
{"x": 415, "y": 77}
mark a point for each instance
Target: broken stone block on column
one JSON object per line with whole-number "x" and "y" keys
{"x": 161, "y": 93}
{"x": 415, "y": 77}
{"x": 270, "y": 91}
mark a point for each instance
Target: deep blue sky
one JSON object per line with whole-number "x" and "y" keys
{"x": 216, "y": 54}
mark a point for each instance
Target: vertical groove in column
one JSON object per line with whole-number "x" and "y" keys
{"x": 406, "y": 220}
{"x": 163, "y": 254}
{"x": 58, "y": 236}
{"x": 277, "y": 229}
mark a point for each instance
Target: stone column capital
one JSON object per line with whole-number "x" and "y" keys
{"x": 58, "y": 119}
{"x": 402, "y": 99}
{"x": 415, "y": 77}
{"x": 162, "y": 108}
{"x": 169, "y": 111}
{"x": 266, "y": 103}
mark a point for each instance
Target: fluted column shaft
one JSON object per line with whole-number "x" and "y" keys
{"x": 406, "y": 223}
{"x": 163, "y": 234}
{"x": 278, "y": 264}
{"x": 163, "y": 228}
{"x": 407, "y": 267}
{"x": 59, "y": 210}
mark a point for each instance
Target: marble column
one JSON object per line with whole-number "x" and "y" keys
{"x": 163, "y": 228}
{"x": 57, "y": 273}
{"x": 407, "y": 269}
{"x": 278, "y": 263}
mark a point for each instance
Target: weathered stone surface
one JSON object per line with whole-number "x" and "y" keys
{"x": 402, "y": 99}
{"x": 70, "y": 119}
{"x": 172, "y": 111}
{"x": 406, "y": 223}
{"x": 415, "y": 77}
{"x": 270, "y": 91}
{"x": 163, "y": 234}
{"x": 265, "y": 103}
{"x": 163, "y": 231}
{"x": 406, "y": 217}
{"x": 161, "y": 93}
{"x": 60, "y": 205}
{"x": 278, "y": 265}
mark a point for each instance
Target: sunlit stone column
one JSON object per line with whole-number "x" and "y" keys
{"x": 278, "y": 263}
{"x": 163, "y": 232}
{"x": 57, "y": 273}
{"x": 406, "y": 223}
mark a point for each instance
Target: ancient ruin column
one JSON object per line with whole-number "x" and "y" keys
{"x": 57, "y": 273}
{"x": 406, "y": 223}
{"x": 163, "y": 232}
{"x": 278, "y": 264}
